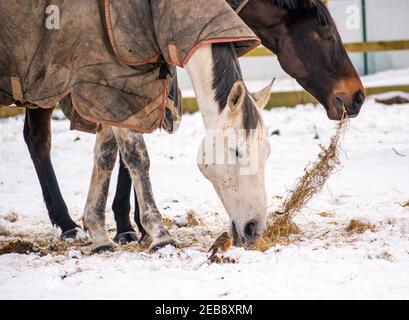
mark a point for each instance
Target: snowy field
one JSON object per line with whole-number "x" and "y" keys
{"x": 324, "y": 261}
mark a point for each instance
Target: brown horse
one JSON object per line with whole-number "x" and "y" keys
{"x": 309, "y": 48}
{"x": 305, "y": 39}
{"x": 303, "y": 36}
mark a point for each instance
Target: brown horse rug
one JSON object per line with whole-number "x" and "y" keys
{"x": 108, "y": 61}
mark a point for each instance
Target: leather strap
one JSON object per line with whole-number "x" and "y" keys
{"x": 242, "y": 5}
{"x": 17, "y": 89}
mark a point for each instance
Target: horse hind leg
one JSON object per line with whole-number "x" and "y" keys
{"x": 37, "y": 135}
{"x": 121, "y": 207}
{"x": 137, "y": 218}
{"x": 105, "y": 153}
{"x": 135, "y": 156}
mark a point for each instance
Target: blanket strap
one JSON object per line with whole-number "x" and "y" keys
{"x": 17, "y": 89}
{"x": 242, "y": 5}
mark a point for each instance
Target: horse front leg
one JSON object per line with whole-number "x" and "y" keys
{"x": 135, "y": 156}
{"x": 105, "y": 153}
{"x": 37, "y": 135}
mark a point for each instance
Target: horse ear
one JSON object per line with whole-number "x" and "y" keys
{"x": 237, "y": 95}
{"x": 263, "y": 96}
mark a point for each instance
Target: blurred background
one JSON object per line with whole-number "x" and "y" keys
{"x": 376, "y": 33}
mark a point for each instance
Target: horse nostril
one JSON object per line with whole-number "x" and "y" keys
{"x": 250, "y": 230}
{"x": 340, "y": 102}
{"x": 359, "y": 99}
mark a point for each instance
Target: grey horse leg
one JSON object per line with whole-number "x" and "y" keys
{"x": 105, "y": 154}
{"x": 135, "y": 156}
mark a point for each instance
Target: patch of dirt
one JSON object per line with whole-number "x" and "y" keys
{"x": 11, "y": 217}
{"x": 223, "y": 260}
{"x": 41, "y": 247}
{"x": 393, "y": 100}
{"x": 19, "y": 247}
{"x": 136, "y": 247}
{"x": 357, "y": 226}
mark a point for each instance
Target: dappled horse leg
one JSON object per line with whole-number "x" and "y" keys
{"x": 121, "y": 208}
{"x": 105, "y": 153}
{"x": 37, "y": 135}
{"x": 135, "y": 156}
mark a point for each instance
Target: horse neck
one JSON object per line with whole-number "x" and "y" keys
{"x": 202, "y": 73}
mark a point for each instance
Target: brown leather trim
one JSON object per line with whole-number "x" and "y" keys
{"x": 74, "y": 125}
{"x": 124, "y": 124}
{"x": 57, "y": 99}
{"x": 173, "y": 54}
{"x": 50, "y": 105}
{"x": 211, "y": 41}
{"x": 164, "y": 102}
{"x": 111, "y": 36}
{"x": 17, "y": 89}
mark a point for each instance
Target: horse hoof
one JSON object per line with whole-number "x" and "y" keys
{"x": 157, "y": 246}
{"x": 125, "y": 238}
{"x": 104, "y": 248}
{"x": 144, "y": 238}
{"x": 76, "y": 233}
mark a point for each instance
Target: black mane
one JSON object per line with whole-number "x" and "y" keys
{"x": 226, "y": 73}
{"x": 300, "y": 6}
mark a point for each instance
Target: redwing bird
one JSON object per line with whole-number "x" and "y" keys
{"x": 222, "y": 243}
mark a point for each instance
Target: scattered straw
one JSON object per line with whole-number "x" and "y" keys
{"x": 386, "y": 256}
{"x": 315, "y": 176}
{"x": 277, "y": 233}
{"x": 11, "y": 217}
{"x": 405, "y": 204}
{"x": 168, "y": 223}
{"x": 357, "y": 226}
{"x": 3, "y": 231}
{"x": 326, "y": 214}
{"x": 192, "y": 219}
{"x": 307, "y": 186}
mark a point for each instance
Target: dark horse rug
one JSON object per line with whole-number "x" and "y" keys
{"x": 110, "y": 61}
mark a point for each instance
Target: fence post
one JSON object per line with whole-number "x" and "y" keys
{"x": 365, "y": 35}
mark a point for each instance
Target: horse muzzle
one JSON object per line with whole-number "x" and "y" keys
{"x": 341, "y": 103}
{"x": 248, "y": 234}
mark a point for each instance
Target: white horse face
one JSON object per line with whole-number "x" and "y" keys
{"x": 234, "y": 160}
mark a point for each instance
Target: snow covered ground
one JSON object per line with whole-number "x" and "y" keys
{"x": 324, "y": 261}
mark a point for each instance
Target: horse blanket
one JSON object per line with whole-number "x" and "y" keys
{"x": 108, "y": 61}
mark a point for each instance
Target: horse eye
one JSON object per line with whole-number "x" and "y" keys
{"x": 328, "y": 37}
{"x": 326, "y": 34}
